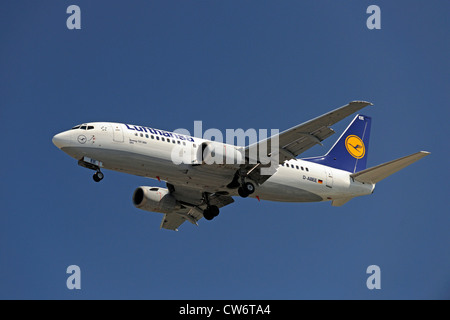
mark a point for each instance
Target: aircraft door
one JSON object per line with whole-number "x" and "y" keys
{"x": 117, "y": 132}
{"x": 329, "y": 177}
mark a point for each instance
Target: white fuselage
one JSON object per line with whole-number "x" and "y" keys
{"x": 149, "y": 153}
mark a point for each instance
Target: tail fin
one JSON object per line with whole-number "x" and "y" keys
{"x": 350, "y": 151}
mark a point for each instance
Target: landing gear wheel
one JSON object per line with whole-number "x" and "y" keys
{"x": 249, "y": 188}
{"x": 98, "y": 176}
{"x": 214, "y": 210}
{"x": 207, "y": 215}
{"x": 242, "y": 192}
{"x": 210, "y": 212}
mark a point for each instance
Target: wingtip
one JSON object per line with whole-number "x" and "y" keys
{"x": 367, "y": 103}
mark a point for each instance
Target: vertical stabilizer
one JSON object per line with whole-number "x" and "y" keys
{"x": 350, "y": 151}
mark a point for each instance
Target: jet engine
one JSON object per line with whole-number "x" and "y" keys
{"x": 155, "y": 199}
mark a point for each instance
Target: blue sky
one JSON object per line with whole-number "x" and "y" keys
{"x": 231, "y": 64}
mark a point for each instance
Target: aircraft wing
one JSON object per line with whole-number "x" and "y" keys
{"x": 172, "y": 221}
{"x": 298, "y": 139}
{"x": 193, "y": 206}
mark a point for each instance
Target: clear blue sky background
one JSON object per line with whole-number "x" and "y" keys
{"x": 231, "y": 64}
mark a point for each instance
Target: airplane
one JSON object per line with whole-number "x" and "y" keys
{"x": 197, "y": 188}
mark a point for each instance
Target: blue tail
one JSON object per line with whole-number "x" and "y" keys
{"x": 349, "y": 153}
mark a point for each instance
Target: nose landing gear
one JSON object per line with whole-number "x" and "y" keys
{"x": 98, "y": 176}
{"x": 93, "y": 165}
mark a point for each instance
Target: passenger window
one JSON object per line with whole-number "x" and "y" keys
{"x": 162, "y": 139}
{"x": 296, "y": 167}
{"x": 184, "y": 143}
{"x": 307, "y": 170}
{"x": 194, "y": 145}
{"x": 141, "y": 135}
{"x": 146, "y": 135}
{"x": 302, "y": 168}
{"x": 157, "y": 138}
{"x": 168, "y": 140}
{"x": 178, "y": 141}
{"x": 153, "y": 137}
{"x": 292, "y": 166}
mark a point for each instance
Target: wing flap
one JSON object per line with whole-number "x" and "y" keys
{"x": 193, "y": 205}
{"x": 172, "y": 221}
{"x": 306, "y": 141}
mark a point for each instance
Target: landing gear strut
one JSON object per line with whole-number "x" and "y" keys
{"x": 93, "y": 165}
{"x": 211, "y": 211}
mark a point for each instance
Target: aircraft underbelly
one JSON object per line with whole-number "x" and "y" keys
{"x": 154, "y": 167}
{"x": 274, "y": 190}
{"x": 280, "y": 187}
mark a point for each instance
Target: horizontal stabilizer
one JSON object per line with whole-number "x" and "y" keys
{"x": 340, "y": 202}
{"x": 382, "y": 171}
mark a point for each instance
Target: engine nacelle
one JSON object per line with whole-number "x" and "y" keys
{"x": 219, "y": 153}
{"x": 155, "y": 199}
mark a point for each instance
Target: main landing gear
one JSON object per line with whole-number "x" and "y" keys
{"x": 211, "y": 211}
{"x": 246, "y": 189}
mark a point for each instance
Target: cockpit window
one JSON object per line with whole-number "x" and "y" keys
{"x": 83, "y": 127}
{"x": 90, "y": 127}
{"x": 76, "y": 127}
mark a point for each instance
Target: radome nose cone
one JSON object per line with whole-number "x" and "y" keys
{"x": 58, "y": 140}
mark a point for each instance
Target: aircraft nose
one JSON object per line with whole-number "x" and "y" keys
{"x": 59, "y": 140}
